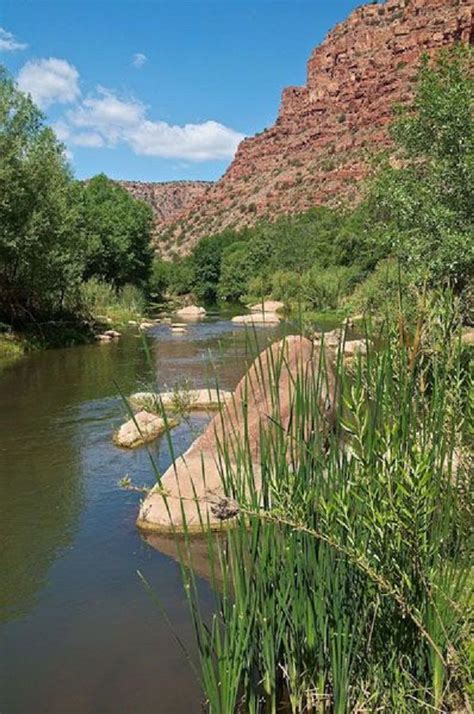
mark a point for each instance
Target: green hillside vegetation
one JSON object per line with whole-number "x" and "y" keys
{"x": 413, "y": 229}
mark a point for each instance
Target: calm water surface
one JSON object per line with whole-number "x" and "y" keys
{"x": 78, "y": 633}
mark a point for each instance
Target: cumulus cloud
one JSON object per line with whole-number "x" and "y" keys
{"x": 49, "y": 81}
{"x": 9, "y": 43}
{"x": 105, "y": 119}
{"x": 139, "y": 59}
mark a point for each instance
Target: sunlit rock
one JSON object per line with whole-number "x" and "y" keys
{"x": 142, "y": 428}
{"x": 192, "y": 490}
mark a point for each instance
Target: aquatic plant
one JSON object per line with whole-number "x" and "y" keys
{"x": 343, "y": 585}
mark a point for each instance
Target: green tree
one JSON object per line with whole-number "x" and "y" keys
{"x": 117, "y": 230}
{"x": 41, "y": 255}
{"x": 425, "y": 205}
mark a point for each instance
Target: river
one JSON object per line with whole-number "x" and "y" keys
{"x": 78, "y": 632}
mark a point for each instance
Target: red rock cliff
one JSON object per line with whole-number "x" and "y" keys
{"x": 317, "y": 151}
{"x": 170, "y": 200}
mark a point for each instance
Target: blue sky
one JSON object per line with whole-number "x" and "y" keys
{"x": 160, "y": 90}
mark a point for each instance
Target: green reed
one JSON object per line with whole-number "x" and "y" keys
{"x": 343, "y": 585}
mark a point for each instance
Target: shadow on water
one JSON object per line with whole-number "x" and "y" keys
{"x": 78, "y": 633}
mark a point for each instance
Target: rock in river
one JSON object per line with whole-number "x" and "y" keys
{"x": 188, "y": 399}
{"x": 143, "y": 428}
{"x": 193, "y": 486}
{"x": 191, "y": 312}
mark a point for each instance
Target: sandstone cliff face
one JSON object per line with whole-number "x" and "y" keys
{"x": 317, "y": 151}
{"x": 170, "y": 200}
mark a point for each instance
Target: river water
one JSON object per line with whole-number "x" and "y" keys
{"x": 78, "y": 632}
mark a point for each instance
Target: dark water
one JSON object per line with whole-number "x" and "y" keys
{"x": 78, "y": 633}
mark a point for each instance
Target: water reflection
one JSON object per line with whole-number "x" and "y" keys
{"x": 78, "y": 634}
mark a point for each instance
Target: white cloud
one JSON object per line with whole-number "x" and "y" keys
{"x": 104, "y": 119}
{"x": 50, "y": 81}
{"x": 9, "y": 43}
{"x": 196, "y": 142}
{"x": 139, "y": 59}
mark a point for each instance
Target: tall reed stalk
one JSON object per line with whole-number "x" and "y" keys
{"x": 343, "y": 586}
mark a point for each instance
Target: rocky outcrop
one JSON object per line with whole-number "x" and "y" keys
{"x": 192, "y": 489}
{"x": 169, "y": 200}
{"x": 317, "y": 151}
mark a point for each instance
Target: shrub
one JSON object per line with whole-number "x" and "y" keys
{"x": 325, "y": 289}
{"x": 286, "y": 285}
{"x": 382, "y": 289}
{"x": 159, "y": 281}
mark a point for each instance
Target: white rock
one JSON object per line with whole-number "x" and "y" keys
{"x": 113, "y": 334}
{"x": 192, "y": 399}
{"x": 191, "y": 312}
{"x": 267, "y": 306}
{"x": 143, "y": 428}
{"x": 103, "y": 338}
{"x": 258, "y": 318}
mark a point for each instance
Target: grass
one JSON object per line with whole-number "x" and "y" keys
{"x": 117, "y": 307}
{"x": 345, "y": 584}
{"x": 11, "y": 349}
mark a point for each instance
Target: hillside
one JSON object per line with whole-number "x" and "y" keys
{"x": 169, "y": 200}
{"x": 319, "y": 148}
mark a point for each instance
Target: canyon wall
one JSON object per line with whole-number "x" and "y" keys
{"x": 318, "y": 150}
{"x": 170, "y": 200}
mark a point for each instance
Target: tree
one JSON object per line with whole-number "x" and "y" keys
{"x": 41, "y": 255}
{"x": 425, "y": 205}
{"x": 117, "y": 230}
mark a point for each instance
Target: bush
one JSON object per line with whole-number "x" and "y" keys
{"x": 286, "y": 285}
{"x": 325, "y": 289}
{"x": 382, "y": 289}
{"x": 159, "y": 279}
{"x": 181, "y": 276}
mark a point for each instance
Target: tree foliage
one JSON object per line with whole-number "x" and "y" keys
{"x": 40, "y": 250}
{"x": 117, "y": 230}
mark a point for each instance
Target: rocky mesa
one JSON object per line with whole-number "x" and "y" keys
{"x": 317, "y": 152}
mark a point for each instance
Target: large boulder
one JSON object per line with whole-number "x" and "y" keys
{"x": 191, "y": 312}
{"x": 192, "y": 490}
{"x": 142, "y": 428}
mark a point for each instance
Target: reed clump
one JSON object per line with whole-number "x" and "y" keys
{"x": 344, "y": 585}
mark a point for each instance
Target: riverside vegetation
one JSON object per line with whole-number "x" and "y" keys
{"x": 345, "y": 583}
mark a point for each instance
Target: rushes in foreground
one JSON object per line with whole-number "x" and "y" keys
{"x": 343, "y": 586}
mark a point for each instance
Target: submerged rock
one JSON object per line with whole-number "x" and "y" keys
{"x": 192, "y": 490}
{"x": 143, "y": 428}
{"x": 192, "y": 312}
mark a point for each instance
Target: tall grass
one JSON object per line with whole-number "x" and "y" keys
{"x": 344, "y": 585}
{"x": 101, "y": 300}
